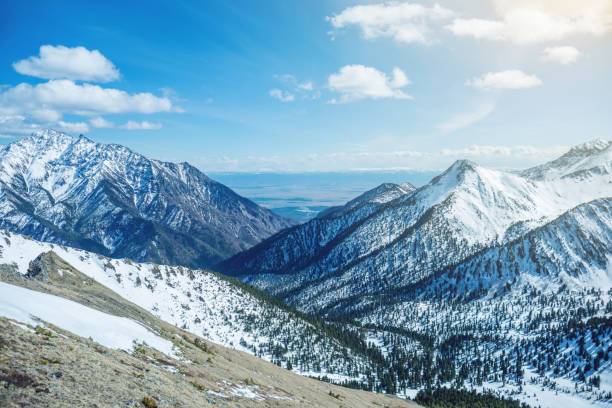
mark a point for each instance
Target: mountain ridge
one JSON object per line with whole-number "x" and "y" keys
{"x": 461, "y": 212}
{"x": 111, "y": 200}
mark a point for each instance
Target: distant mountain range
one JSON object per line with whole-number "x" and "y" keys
{"x": 487, "y": 279}
{"x": 391, "y": 242}
{"x": 113, "y": 201}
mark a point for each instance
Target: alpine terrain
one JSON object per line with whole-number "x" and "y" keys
{"x": 483, "y": 278}
{"x": 222, "y": 310}
{"x": 80, "y": 329}
{"x": 113, "y": 201}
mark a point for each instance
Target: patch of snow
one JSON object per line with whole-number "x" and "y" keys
{"x": 26, "y": 306}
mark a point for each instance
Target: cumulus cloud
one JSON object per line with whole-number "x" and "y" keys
{"x": 294, "y": 89}
{"x": 11, "y": 125}
{"x": 46, "y": 103}
{"x": 563, "y": 55}
{"x": 100, "y": 122}
{"x": 355, "y": 82}
{"x": 403, "y": 21}
{"x": 144, "y": 125}
{"x": 60, "y": 62}
{"x": 535, "y": 21}
{"x": 465, "y": 119}
{"x": 73, "y": 127}
{"x": 69, "y": 91}
{"x": 510, "y": 79}
{"x": 60, "y": 96}
{"x": 282, "y": 96}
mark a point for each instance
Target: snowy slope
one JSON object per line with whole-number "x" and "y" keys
{"x": 573, "y": 251}
{"x": 205, "y": 304}
{"x": 465, "y": 210}
{"x": 502, "y": 278}
{"x": 113, "y": 201}
{"x": 379, "y": 195}
{"x": 291, "y": 249}
{"x": 26, "y": 306}
{"x": 590, "y": 157}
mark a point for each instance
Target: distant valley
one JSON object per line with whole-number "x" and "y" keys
{"x": 301, "y": 196}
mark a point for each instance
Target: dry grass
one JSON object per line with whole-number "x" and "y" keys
{"x": 49, "y": 367}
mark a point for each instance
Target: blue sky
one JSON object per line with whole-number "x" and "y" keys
{"x": 312, "y": 85}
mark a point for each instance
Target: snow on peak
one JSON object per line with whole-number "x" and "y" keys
{"x": 458, "y": 170}
{"x": 52, "y": 137}
{"x": 591, "y": 147}
{"x": 595, "y": 155}
{"x": 73, "y": 190}
{"x": 407, "y": 187}
{"x": 454, "y": 176}
{"x": 48, "y": 134}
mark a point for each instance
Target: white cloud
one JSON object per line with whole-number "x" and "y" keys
{"x": 465, "y": 119}
{"x": 511, "y": 79}
{"x": 144, "y": 125}
{"x": 15, "y": 125}
{"x": 403, "y": 21}
{"x": 304, "y": 90}
{"x": 100, "y": 122}
{"x": 11, "y": 118}
{"x": 493, "y": 156}
{"x": 306, "y": 86}
{"x": 73, "y": 127}
{"x": 64, "y": 96}
{"x": 43, "y": 114}
{"x": 534, "y": 21}
{"x": 62, "y": 62}
{"x": 356, "y": 82}
{"x": 45, "y": 104}
{"x": 282, "y": 96}
{"x": 564, "y": 54}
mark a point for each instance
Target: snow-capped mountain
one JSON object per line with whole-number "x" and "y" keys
{"x": 462, "y": 212}
{"x": 379, "y": 195}
{"x": 572, "y": 252}
{"x": 111, "y": 200}
{"x": 486, "y": 279}
{"x": 528, "y": 319}
{"x": 290, "y": 249}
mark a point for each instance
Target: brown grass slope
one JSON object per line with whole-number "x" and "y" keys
{"x": 46, "y": 366}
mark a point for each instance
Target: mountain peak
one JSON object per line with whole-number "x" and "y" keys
{"x": 594, "y": 154}
{"x": 52, "y": 137}
{"x": 45, "y": 133}
{"x": 463, "y": 165}
{"x": 456, "y": 171}
{"x": 73, "y": 186}
{"x": 591, "y": 147}
{"x": 51, "y": 134}
{"x": 407, "y": 187}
